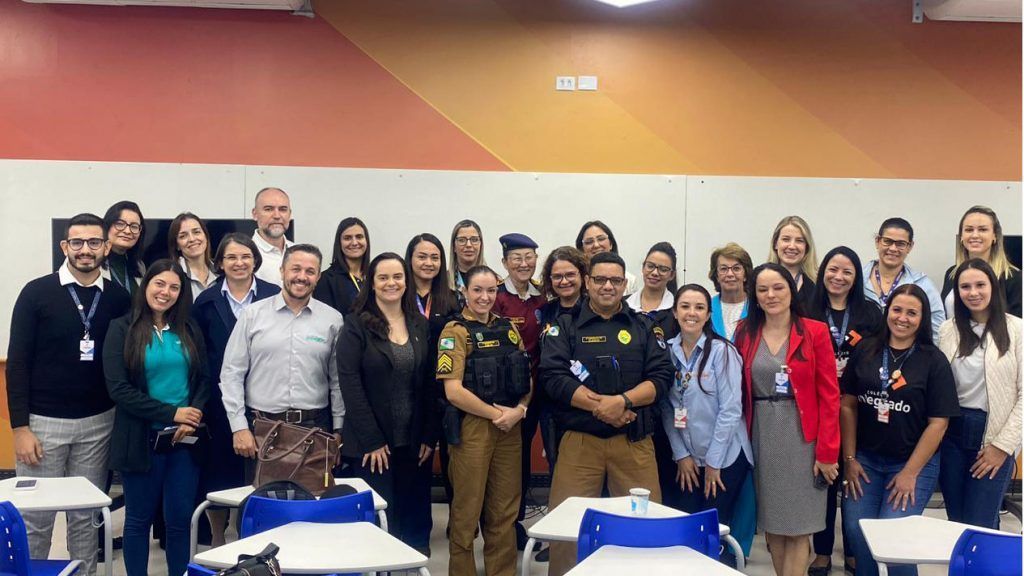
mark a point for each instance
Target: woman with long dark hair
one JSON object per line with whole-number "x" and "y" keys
{"x": 791, "y": 401}
{"x": 384, "y": 370}
{"x": 898, "y": 396}
{"x": 982, "y": 343}
{"x": 839, "y": 301}
{"x": 125, "y": 227}
{"x": 154, "y": 360}
{"x": 702, "y": 414}
{"x": 659, "y": 288}
{"x": 343, "y": 279}
{"x": 595, "y": 237}
{"x": 467, "y": 250}
{"x": 188, "y": 241}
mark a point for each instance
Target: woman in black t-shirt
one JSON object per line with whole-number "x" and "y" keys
{"x": 898, "y": 396}
{"x": 839, "y": 302}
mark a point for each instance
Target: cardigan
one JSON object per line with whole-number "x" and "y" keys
{"x": 136, "y": 410}
{"x": 815, "y": 385}
{"x": 1011, "y": 286}
{"x": 365, "y": 371}
{"x": 1002, "y": 383}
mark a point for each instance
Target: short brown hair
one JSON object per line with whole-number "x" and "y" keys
{"x": 566, "y": 254}
{"x": 733, "y": 251}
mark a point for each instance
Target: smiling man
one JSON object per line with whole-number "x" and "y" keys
{"x": 60, "y": 411}
{"x": 280, "y": 360}
{"x": 273, "y": 214}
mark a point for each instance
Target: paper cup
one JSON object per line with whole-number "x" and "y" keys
{"x": 638, "y": 501}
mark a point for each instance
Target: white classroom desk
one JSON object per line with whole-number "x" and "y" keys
{"x": 672, "y": 561}
{"x": 62, "y": 495}
{"x": 563, "y": 523}
{"x": 312, "y": 548}
{"x": 912, "y": 540}
{"x": 233, "y": 497}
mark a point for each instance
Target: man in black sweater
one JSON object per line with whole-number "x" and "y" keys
{"x": 60, "y": 411}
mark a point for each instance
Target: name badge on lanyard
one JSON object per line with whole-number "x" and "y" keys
{"x": 883, "y": 412}
{"x": 86, "y": 346}
{"x": 782, "y": 385}
{"x": 679, "y": 420}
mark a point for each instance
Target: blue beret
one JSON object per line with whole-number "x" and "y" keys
{"x": 515, "y": 241}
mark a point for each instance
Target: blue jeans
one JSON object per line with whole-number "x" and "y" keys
{"x": 175, "y": 475}
{"x": 872, "y": 504}
{"x": 970, "y": 500}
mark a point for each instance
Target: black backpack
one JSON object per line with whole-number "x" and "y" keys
{"x": 277, "y": 490}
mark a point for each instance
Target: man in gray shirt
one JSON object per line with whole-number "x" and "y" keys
{"x": 280, "y": 360}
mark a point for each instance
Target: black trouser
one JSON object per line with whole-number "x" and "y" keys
{"x": 671, "y": 496}
{"x": 825, "y": 540}
{"x": 528, "y": 430}
{"x": 405, "y": 486}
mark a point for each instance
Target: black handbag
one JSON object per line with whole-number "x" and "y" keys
{"x": 262, "y": 564}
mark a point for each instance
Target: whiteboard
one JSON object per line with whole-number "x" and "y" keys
{"x": 694, "y": 213}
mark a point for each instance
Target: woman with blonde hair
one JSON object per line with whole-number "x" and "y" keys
{"x": 980, "y": 235}
{"x": 793, "y": 247}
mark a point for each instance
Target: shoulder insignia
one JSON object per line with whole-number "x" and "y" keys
{"x": 513, "y": 336}
{"x": 446, "y": 344}
{"x": 553, "y": 331}
{"x": 536, "y": 314}
{"x": 659, "y": 332}
{"x": 625, "y": 337}
{"x": 444, "y": 363}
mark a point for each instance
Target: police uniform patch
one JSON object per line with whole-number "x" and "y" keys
{"x": 489, "y": 344}
{"x": 661, "y": 343}
{"x": 513, "y": 336}
{"x": 444, "y": 363}
{"x": 446, "y": 344}
{"x": 625, "y": 337}
{"x": 479, "y": 336}
{"x": 553, "y": 331}
{"x": 593, "y": 339}
{"x": 659, "y": 332}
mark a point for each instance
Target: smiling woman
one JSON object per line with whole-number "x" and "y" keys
{"x": 188, "y": 240}
{"x": 344, "y": 278}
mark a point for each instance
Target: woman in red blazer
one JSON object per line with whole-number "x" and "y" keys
{"x": 791, "y": 404}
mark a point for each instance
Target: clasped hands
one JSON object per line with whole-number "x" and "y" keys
{"x": 507, "y": 417}
{"x": 611, "y": 409}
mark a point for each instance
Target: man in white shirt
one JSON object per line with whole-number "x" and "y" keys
{"x": 280, "y": 361}
{"x": 273, "y": 214}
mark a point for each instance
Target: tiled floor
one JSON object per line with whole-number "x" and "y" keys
{"x": 759, "y": 563}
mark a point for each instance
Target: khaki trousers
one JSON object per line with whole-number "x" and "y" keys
{"x": 485, "y": 474}
{"x": 584, "y": 461}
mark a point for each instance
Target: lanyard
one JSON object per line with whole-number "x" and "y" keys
{"x": 86, "y": 318}
{"x": 358, "y": 283}
{"x": 424, "y": 309}
{"x": 884, "y": 298}
{"x": 883, "y": 372}
{"x": 837, "y": 334}
{"x": 684, "y": 378}
{"x": 126, "y": 284}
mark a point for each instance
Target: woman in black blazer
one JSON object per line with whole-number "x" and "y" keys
{"x": 154, "y": 361}
{"x": 215, "y": 312}
{"x": 389, "y": 392}
{"x": 344, "y": 278}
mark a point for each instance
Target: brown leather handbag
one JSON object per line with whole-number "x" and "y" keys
{"x": 306, "y": 456}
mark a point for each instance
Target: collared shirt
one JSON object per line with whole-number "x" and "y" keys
{"x": 66, "y": 277}
{"x": 273, "y": 257}
{"x": 238, "y": 305}
{"x": 531, "y": 290}
{"x": 715, "y": 433}
{"x": 910, "y": 276}
{"x": 196, "y": 283}
{"x": 276, "y": 360}
{"x": 667, "y": 300}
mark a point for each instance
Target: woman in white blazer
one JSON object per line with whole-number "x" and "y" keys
{"x": 982, "y": 343}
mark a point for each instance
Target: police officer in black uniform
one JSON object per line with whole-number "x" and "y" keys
{"x": 605, "y": 370}
{"x": 486, "y": 377}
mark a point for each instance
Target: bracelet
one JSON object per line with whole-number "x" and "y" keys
{"x": 848, "y": 458}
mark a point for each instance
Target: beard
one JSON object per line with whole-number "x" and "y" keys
{"x": 86, "y": 267}
{"x": 289, "y": 287}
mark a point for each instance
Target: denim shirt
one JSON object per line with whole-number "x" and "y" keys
{"x": 715, "y": 432}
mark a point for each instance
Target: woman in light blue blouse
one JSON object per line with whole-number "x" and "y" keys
{"x": 703, "y": 413}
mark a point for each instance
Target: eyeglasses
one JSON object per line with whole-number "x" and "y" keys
{"x": 651, "y": 267}
{"x": 567, "y": 277}
{"x": 889, "y": 243}
{"x": 595, "y": 240}
{"x": 232, "y": 258}
{"x": 616, "y": 281}
{"x": 134, "y": 228}
{"x": 519, "y": 260}
{"x": 76, "y": 244}
{"x": 463, "y": 240}
{"x": 736, "y": 270}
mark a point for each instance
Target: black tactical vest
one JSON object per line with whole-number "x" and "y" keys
{"x": 497, "y": 371}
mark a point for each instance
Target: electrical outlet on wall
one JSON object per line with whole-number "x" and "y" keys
{"x": 566, "y": 83}
{"x": 587, "y": 82}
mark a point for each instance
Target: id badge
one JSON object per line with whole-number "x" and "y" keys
{"x": 680, "y": 418}
{"x": 883, "y": 413}
{"x": 782, "y": 384}
{"x": 86, "y": 350}
{"x": 841, "y": 366}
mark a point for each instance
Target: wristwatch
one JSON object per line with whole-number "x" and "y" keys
{"x": 629, "y": 403}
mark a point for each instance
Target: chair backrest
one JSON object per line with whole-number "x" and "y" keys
{"x": 262, "y": 514}
{"x": 986, "y": 554}
{"x": 14, "y": 553}
{"x": 698, "y": 531}
{"x": 197, "y": 570}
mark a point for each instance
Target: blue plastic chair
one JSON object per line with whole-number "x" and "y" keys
{"x": 14, "y": 554}
{"x": 698, "y": 531}
{"x": 197, "y": 570}
{"x": 986, "y": 554}
{"x": 262, "y": 514}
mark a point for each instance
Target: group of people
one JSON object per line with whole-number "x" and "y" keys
{"x": 797, "y": 382}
